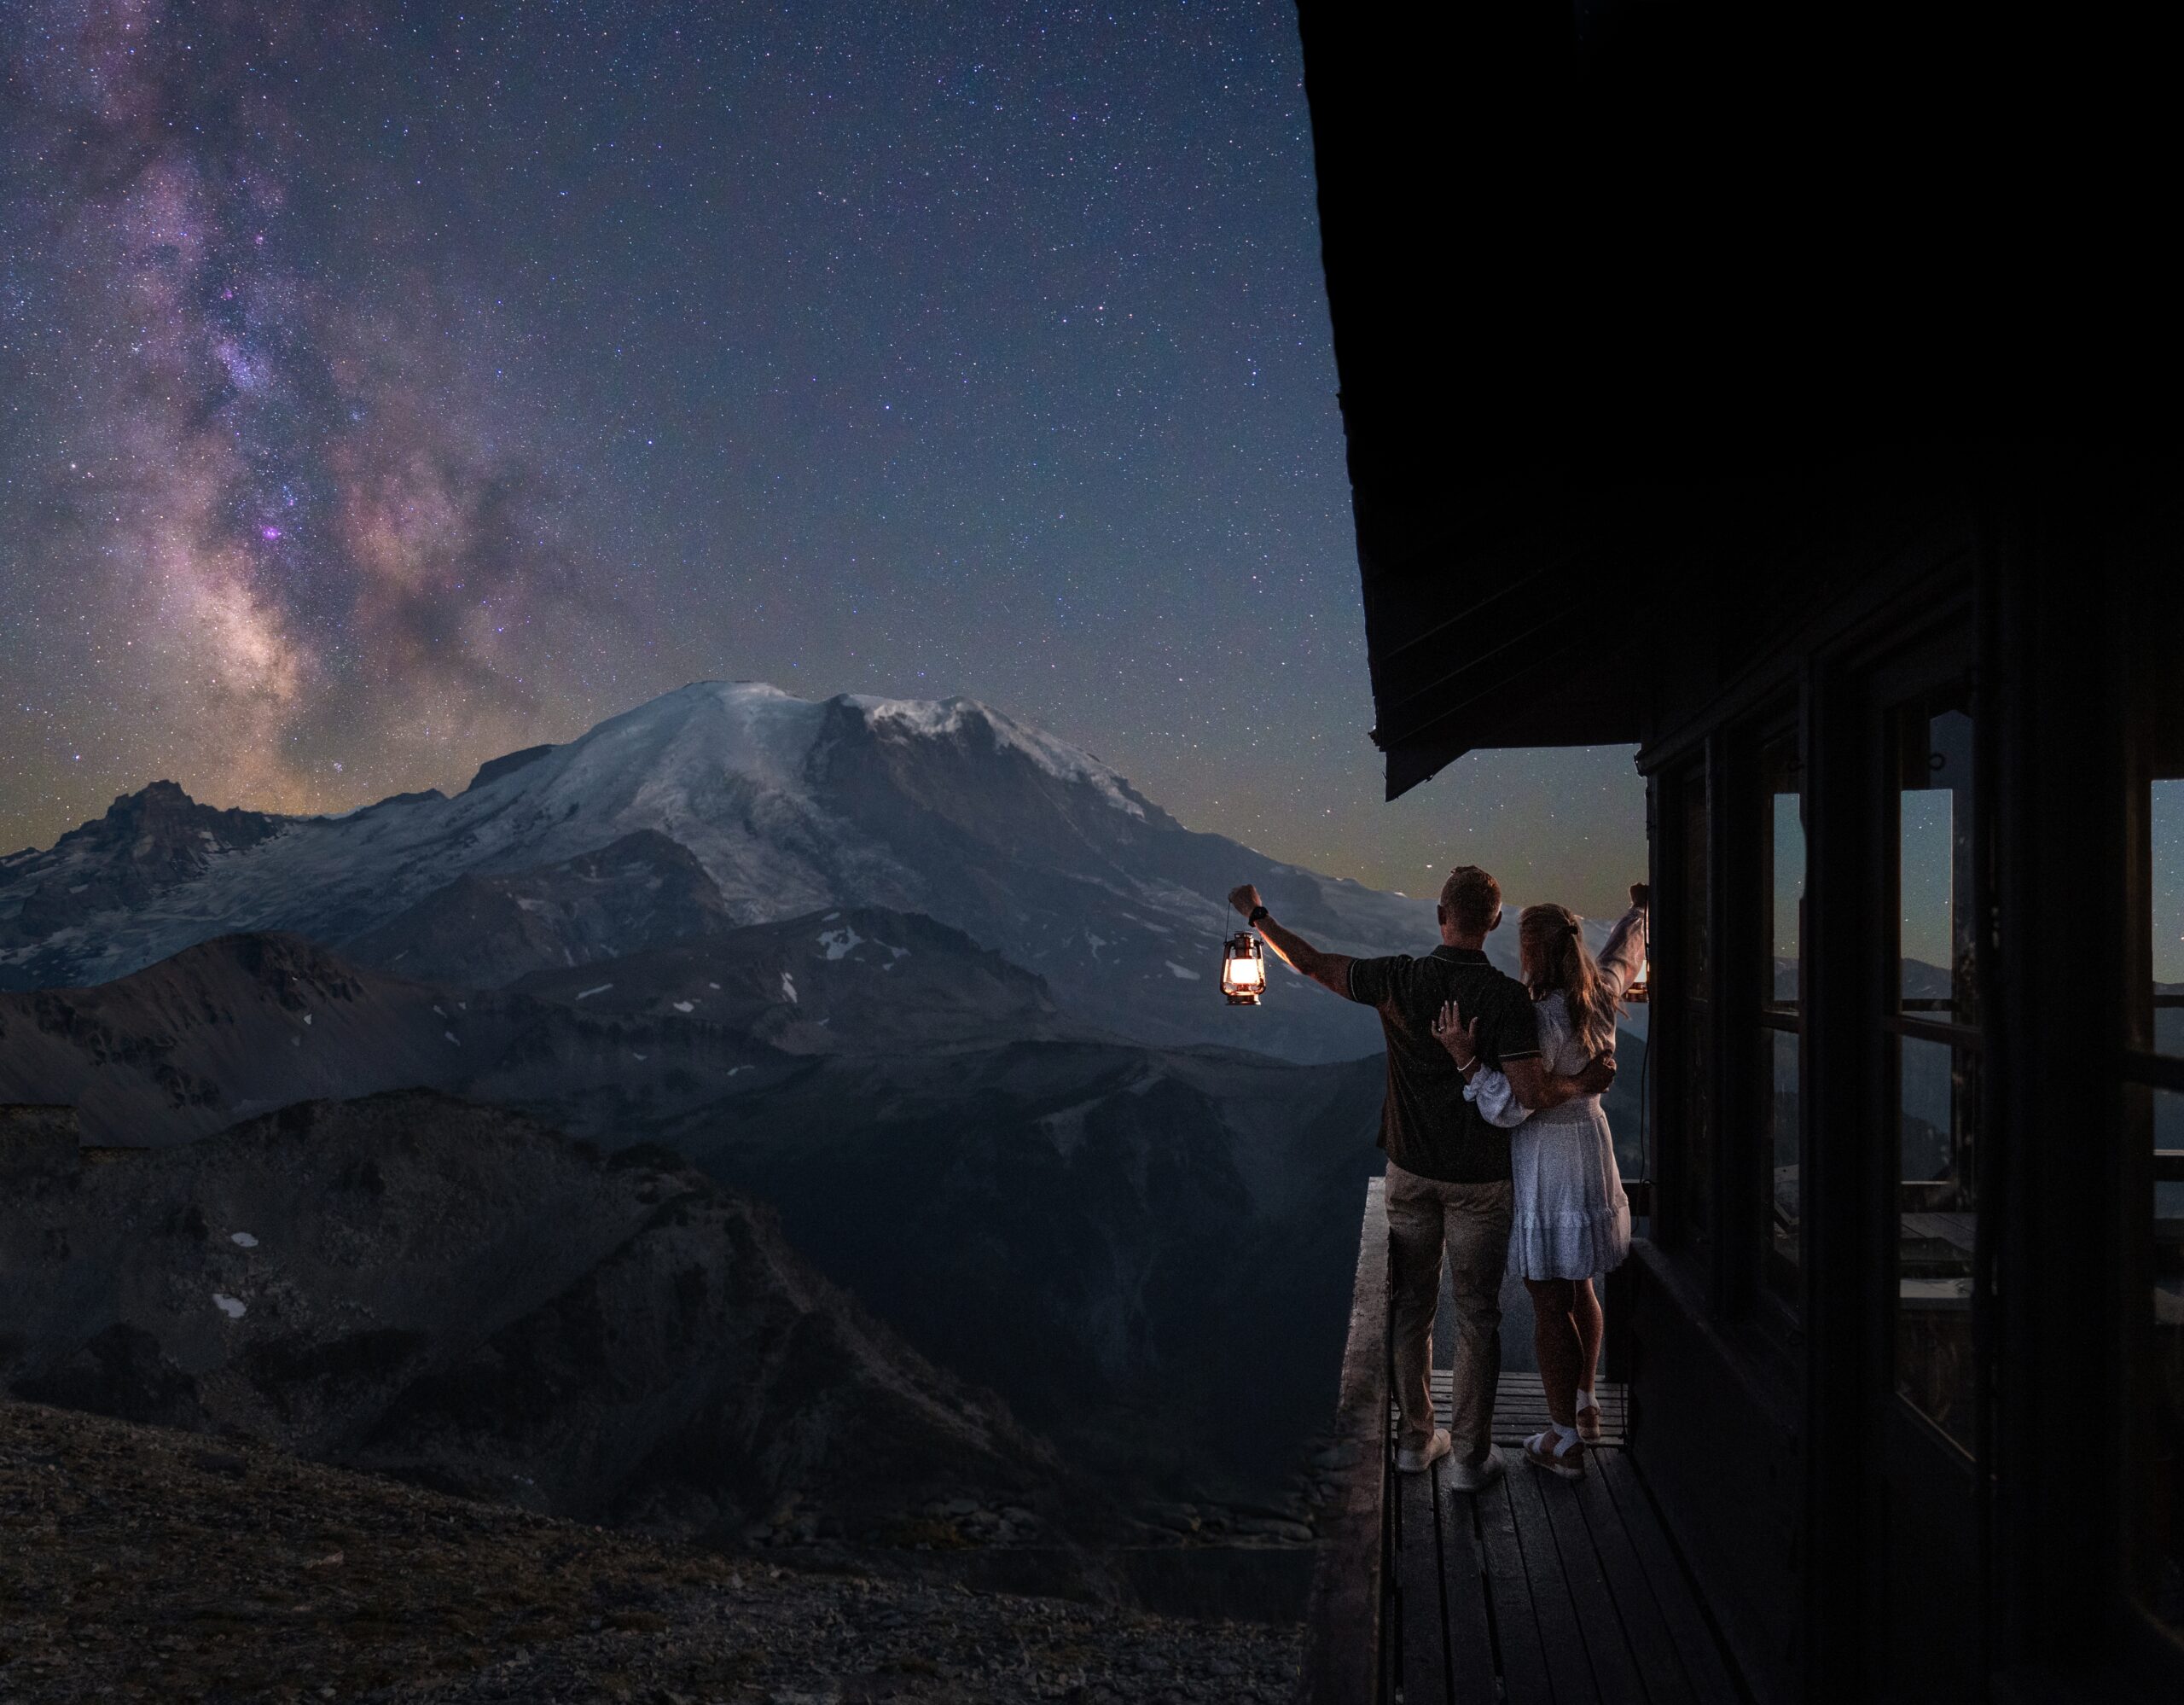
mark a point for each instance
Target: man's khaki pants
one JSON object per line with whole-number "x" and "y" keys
{"x": 1472, "y": 1220}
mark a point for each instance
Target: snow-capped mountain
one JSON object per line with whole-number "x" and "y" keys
{"x": 715, "y": 806}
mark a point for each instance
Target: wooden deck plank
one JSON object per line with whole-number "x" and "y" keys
{"x": 1520, "y": 1407}
{"x": 1660, "y": 1666}
{"x": 1704, "y": 1664}
{"x": 1524, "y": 1678}
{"x": 1568, "y": 1666}
{"x": 1542, "y": 1591}
{"x": 1422, "y": 1582}
{"x": 1471, "y": 1628}
{"x": 1615, "y": 1670}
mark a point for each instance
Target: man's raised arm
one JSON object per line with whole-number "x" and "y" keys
{"x": 1328, "y": 970}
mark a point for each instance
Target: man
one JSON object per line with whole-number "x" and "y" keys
{"x": 1448, "y": 1180}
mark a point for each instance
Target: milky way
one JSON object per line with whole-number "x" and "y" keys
{"x": 245, "y": 460}
{"x": 383, "y": 387}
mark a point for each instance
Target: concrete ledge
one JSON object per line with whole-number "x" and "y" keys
{"x": 1345, "y": 1662}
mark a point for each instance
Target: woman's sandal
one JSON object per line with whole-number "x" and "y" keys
{"x": 1542, "y": 1451}
{"x": 1588, "y": 1423}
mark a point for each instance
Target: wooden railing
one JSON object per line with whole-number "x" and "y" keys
{"x": 1349, "y": 1650}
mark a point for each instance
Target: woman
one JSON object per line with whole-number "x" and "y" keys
{"x": 1572, "y": 1220}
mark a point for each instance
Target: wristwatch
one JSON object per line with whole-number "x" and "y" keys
{"x": 1257, "y": 912}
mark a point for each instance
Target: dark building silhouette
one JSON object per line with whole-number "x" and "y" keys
{"x": 1771, "y": 392}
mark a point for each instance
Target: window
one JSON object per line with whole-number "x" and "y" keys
{"x": 1779, "y": 1053}
{"x": 1695, "y": 1170}
{"x": 1935, "y": 1049}
{"x": 2154, "y": 1126}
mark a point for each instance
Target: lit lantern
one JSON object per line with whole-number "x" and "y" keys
{"x": 1640, "y": 987}
{"x": 1243, "y": 969}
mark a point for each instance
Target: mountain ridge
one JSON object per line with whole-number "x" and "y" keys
{"x": 779, "y": 806}
{"x": 242, "y": 1024}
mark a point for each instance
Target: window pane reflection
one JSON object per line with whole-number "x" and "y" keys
{"x": 1778, "y": 1053}
{"x": 1936, "y": 1111}
{"x": 1934, "y": 872}
{"x": 1785, "y": 876}
{"x": 2166, "y": 819}
{"x": 1789, "y": 894}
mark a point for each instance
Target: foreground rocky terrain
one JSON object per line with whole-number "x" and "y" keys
{"x": 138, "y": 1564}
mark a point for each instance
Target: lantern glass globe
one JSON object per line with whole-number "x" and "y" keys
{"x": 1243, "y": 969}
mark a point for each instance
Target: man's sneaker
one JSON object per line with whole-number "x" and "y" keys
{"x": 1412, "y": 1460}
{"x": 1477, "y": 1477}
{"x": 1589, "y": 1422}
{"x": 1542, "y": 1451}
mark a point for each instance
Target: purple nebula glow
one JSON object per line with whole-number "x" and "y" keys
{"x": 269, "y": 533}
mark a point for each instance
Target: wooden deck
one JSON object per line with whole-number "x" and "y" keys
{"x": 1544, "y": 1591}
{"x": 1520, "y": 1407}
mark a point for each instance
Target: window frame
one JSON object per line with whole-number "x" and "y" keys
{"x": 1901, "y": 1020}
{"x": 2142, "y": 1070}
{"x": 1683, "y": 1048}
{"x": 1761, "y": 1018}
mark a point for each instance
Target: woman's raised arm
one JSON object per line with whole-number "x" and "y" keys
{"x": 1625, "y": 950}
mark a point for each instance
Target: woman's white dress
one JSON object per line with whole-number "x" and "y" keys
{"x": 1572, "y": 1220}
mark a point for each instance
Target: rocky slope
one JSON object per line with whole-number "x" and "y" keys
{"x": 858, "y": 979}
{"x": 142, "y": 1564}
{"x": 456, "y": 1295}
{"x": 243, "y": 1024}
{"x": 1135, "y": 1245}
{"x": 715, "y": 806}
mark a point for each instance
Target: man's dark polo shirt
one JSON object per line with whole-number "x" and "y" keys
{"x": 1426, "y": 1125}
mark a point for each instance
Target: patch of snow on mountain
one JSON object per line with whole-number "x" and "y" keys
{"x": 840, "y": 943}
{"x": 586, "y": 994}
{"x": 1064, "y": 1128}
{"x": 233, "y": 1306}
{"x": 788, "y": 989}
{"x": 1189, "y": 976}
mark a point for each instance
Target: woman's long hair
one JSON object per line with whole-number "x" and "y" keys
{"x": 1555, "y": 957}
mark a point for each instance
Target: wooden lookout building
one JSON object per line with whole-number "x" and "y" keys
{"x": 1721, "y": 385}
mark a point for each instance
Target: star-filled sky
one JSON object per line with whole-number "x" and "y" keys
{"x": 384, "y": 387}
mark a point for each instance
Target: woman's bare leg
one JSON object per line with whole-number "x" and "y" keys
{"x": 1555, "y": 1340}
{"x": 1585, "y": 1310}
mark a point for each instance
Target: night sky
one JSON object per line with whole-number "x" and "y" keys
{"x": 386, "y": 386}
